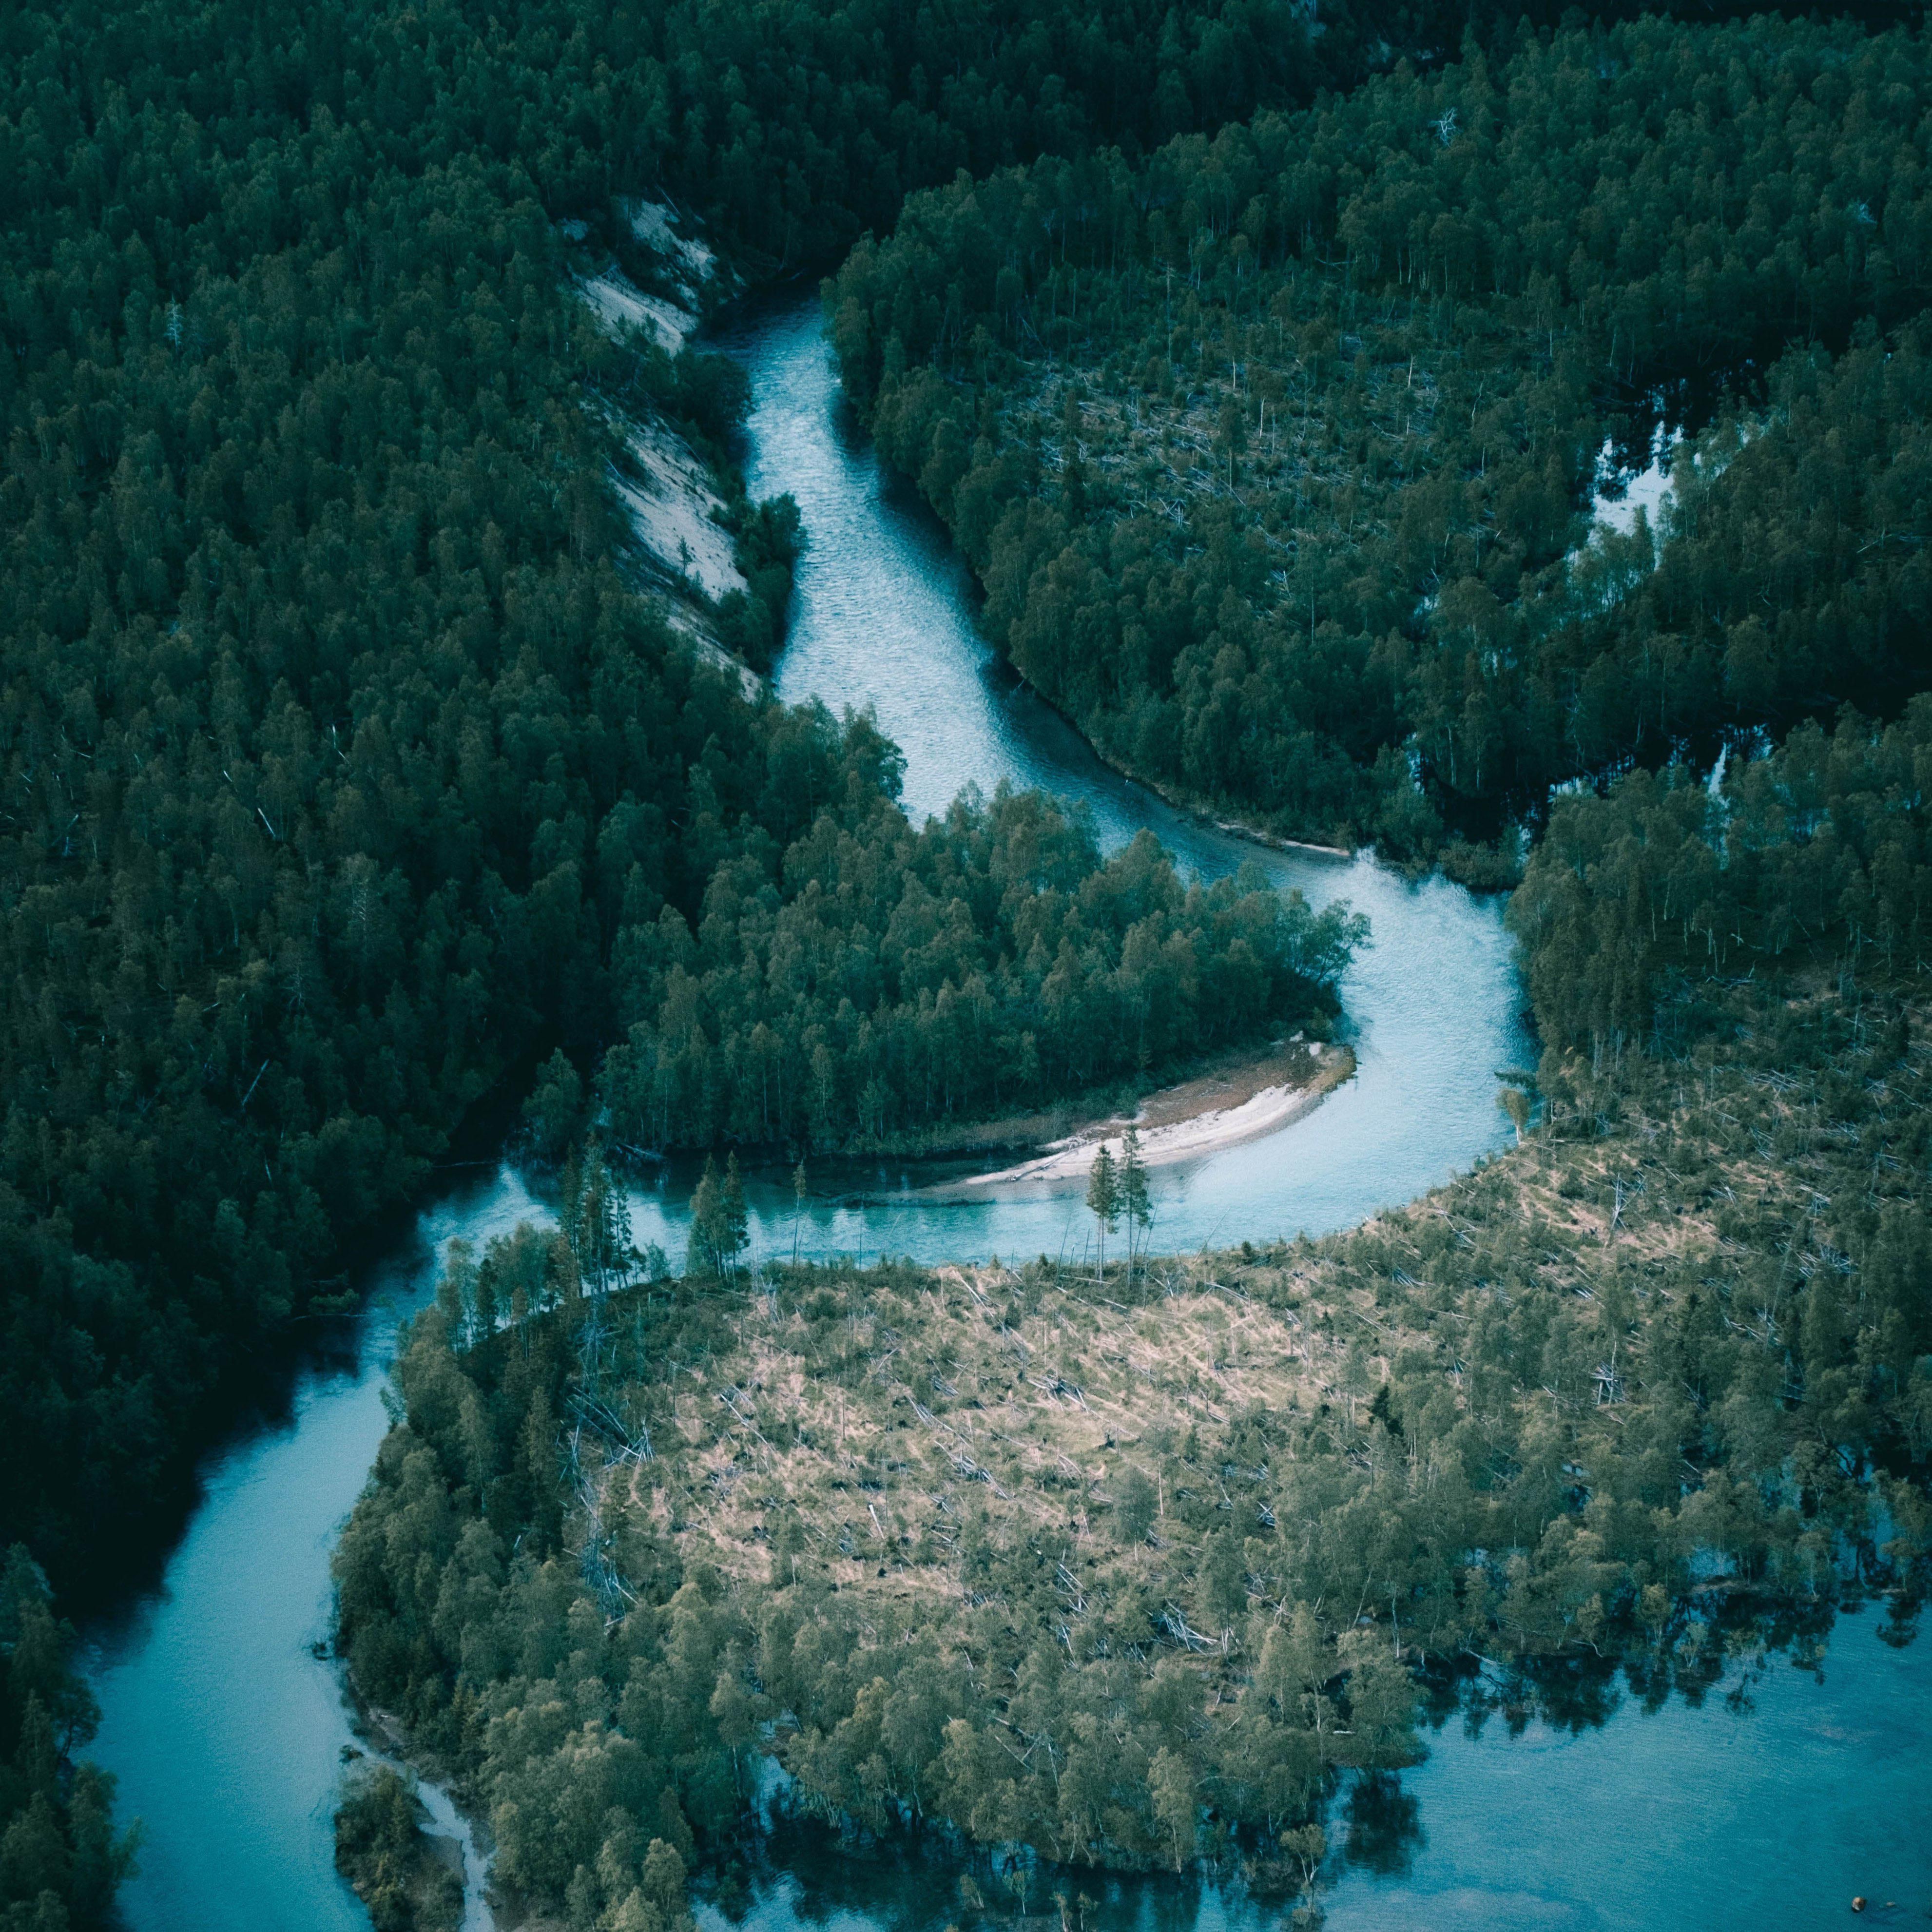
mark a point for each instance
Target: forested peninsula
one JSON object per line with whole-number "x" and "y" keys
{"x": 1274, "y": 450}
{"x": 360, "y": 785}
{"x": 1126, "y": 1573}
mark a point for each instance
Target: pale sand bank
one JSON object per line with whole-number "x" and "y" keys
{"x": 668, "y": 494}
{"x": 621, "y": 304}
{"x": 672, "y": 508}
{"x": 1200, "y": 1116}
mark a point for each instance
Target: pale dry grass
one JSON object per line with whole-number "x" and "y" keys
{"x": 887, "y": 1413}
{"x": 885, "y": 1429}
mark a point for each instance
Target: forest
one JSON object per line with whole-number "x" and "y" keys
{"x": 879, "y": 980}
{"x": 354, "y": 790}
{"x": 1274, "y": 450}
{"x": 61, "y": 1859}
{"x": 1129, "y": 1572}
{"x": 338, "y": 754}
{"x": 382, "y": 1849}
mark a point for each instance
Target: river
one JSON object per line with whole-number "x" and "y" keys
{"x": 227, "y": 1730}
{"x": 882, "y": 616}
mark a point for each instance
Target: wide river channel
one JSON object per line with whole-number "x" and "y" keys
{"x": 227, "y": 1728}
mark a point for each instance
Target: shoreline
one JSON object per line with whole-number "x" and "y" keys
{"x": 384, "y": 1740}
{"x": 1188, "y": 808}
{"x": 1291, "y": 1101}
{"x": 1186, "y": 1122}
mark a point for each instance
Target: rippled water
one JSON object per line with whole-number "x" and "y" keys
{"x": 883, "y": 617}
{"x": 227, "y": 1731}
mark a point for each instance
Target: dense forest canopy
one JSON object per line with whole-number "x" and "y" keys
{"x": 347, "y": 775}
{"x": 1272, "y": 449}
{"x": 790, "y": 124}
{"x": 337, "y": 753}
{"x": 1631, "y": 899}
{"x": 320, "y": 695}
{"x": 61, "y": 1859}
{"x": 1130, "y": 1572}
{"x": 882, "y": 980}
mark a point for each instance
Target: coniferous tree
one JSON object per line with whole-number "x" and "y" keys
{"x": 734, "y": 1231}
{"x": 1103, "y": 1197}
{"x": 1136, "y": 1205}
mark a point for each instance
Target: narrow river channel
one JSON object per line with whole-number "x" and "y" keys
{"x": 226, "y": 1729}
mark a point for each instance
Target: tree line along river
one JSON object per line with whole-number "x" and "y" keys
{"x": 227, "y": 1728}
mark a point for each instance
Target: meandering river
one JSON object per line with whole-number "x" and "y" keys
{"x": 226, "y": 1729}
{"x": 883, "y": 617}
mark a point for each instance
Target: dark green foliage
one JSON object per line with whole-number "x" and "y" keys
{"x": 1817, "y": 856}
{"x": 60, "y": 1859}
{"x": 485, "y": 1514}
{"x": 870, "y": 980}
{"x": 344, "y": 773}
{"x": 1651, "y": 1389}
{"x": 380, "y": 1848}
{"x": 718, "y": 1227}
{"x": 796, "y": 127}
{"x": 553, "y": 1109}
{"x": 751, "y": 622}
{"x": 334, "y": 754}
{"x": 337, "y": 754}
{"x": 1269, "y": 448}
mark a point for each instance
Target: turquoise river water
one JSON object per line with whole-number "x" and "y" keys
{"x": 225, "y": 1727}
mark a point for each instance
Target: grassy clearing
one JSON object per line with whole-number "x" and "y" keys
{"x": 1135, "y": 1573}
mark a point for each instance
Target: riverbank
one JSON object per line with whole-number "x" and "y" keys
{"x": 1478, "y": 868}
{"x": 959, "y": 1506}
{"x": 222, "y": 1726}
{"x": 447, "y": 1837}
{"x": 681, "y": 551}
{"x": 1183, "y": 803}
{"x": 1240, "y": 1101}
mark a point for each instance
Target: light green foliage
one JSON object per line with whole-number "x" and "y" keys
{"x": 1136, "y": 1203}
{"x": 1131, "y": 1579}
{"x": 380, "y": 1848}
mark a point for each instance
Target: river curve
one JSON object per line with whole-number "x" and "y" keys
{"x": 882, "y": 616}
{"x": 227, "y": 1731}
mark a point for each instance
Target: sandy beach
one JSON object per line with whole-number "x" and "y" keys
{"x": 1200, "y": 1116}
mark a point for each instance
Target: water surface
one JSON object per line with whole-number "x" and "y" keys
{"x": 1769, "y": 1806}
{"x": 223, "y": 1726}
{"x": 883, "y": 617}
{"x": 227, "y": 1730}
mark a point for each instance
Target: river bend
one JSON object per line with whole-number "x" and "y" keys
{"x": 227, "y": 1730}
